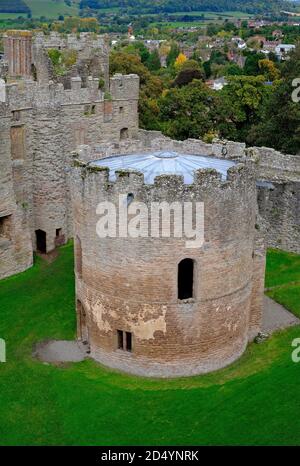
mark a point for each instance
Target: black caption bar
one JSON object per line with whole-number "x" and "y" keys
{"x": 104, "y": 456}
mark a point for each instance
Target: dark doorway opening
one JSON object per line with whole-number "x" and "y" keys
{"x": 41, "y": 241}
{"x": 186, "y": 279}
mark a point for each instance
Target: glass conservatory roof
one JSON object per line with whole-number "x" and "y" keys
{"x": 163, "y": 163}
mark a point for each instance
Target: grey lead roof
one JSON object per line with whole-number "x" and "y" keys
{"x": 163, "y": 163}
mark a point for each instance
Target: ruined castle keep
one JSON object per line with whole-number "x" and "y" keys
{"x": 145, "y": 305}
{"x": 41, "y": 122}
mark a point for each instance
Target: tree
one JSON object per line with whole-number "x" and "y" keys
{"x": 189, "y": 71}
{"x": 279, "y": 126}
{"x": 192, "y": 111}
{"x": 268, "y": 69}
{"x": 251, "y": 67}
{"x": 173, "y": 54}
{"x": 153, "y": 62}
{"x": 244, "y": 98}
{"x": 232, "y": 69}
{"x": 180, "y": 60}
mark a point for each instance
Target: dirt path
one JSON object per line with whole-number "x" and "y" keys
{"x": 61, "y": 351}
{"x": 276, "y": 317}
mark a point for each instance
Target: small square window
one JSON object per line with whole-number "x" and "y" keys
{"x": 124, "y": 340}
{"x": 16, "y": 115}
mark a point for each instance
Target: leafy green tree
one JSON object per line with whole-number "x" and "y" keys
{"x": 189, "y": 71}
{"x": 280, "y": 122}
{"x": 192, "y": 111}
{"x": 207, "y": 69}
{"x": 244, "y": 99}
{"x": 232, "y": 69}
{"x": 153, "y": 61}
{"x": 173, "y": 54}
{"x": 251, "y": 67}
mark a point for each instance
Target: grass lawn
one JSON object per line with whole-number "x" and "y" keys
{"x": 254, "y": 401}
{"x": 283, "y": 279}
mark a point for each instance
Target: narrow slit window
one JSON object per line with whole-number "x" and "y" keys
{"x": 186, "y": 279}
{"x": 78, "y": 257}
{"x": 120, "y": 339}
{"x": 128, "y": 341}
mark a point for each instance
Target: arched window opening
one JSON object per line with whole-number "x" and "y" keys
{"x": 186, "y": 279}
{"x": 124, "y": 134}
{"x": 130, "y": 198}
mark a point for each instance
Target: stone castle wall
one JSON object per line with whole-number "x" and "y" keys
{"x": 44, "y": 124}
{"x": 45, "y": 121}
{"x": 26, "y": 55}
{"x": 15, "y": 241}
{"x": 278, "y": 179}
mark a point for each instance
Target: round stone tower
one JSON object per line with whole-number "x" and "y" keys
{"x": 152, "y": 299}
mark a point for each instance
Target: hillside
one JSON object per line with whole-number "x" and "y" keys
{"x": 13, "y": 6}
{"x": 171, "y": 6}
{"x": 37, "y": 8}
{"x": 54, "y": 8}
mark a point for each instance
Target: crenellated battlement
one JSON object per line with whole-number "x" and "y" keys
{"x": 72, "y": 41}
{"x": 239, "y": 177}
{"x": 124, "y": 87}
{"x": 28, "y": 93}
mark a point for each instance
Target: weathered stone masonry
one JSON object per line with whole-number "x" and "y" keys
{"x": 126, "y": 288}
{"x": 40, "y": 124}
{"x": 130, "y": 284}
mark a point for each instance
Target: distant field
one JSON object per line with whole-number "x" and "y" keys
{"x": 12, "y": 15}
{"x": 208, "y": 17}
{"x": 51, "y": 8}
{"x": 226, "y": 14}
